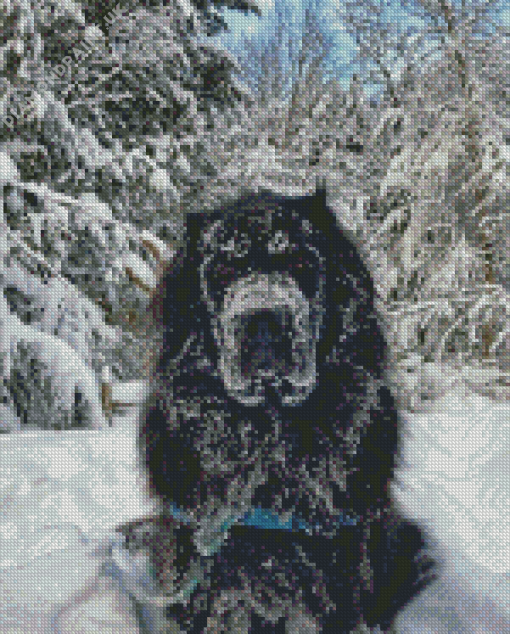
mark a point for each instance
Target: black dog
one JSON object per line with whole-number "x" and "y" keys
{"x": 269, "y": 435}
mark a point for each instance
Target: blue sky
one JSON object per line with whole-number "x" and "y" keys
{"x": 241, "y": 25}
{"x": 341, "y": 63}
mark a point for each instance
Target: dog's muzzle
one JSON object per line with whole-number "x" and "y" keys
{"x": 266, "y": 334}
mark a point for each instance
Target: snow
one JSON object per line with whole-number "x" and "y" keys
{"x": 64, "y": 492}
{"x": 128, "y": 392}
{"x": 8, "y": 170}
{"x": 139, "y": 268}
{"x": 73, "y": 483}
{"x": 166, "y": 253}
{"x": 454, "y": 480}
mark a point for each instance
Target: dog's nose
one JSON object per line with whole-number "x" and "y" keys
{"x": 266, "y": 336}
{"x": 266, "y": 343}
{"x": 265, "y": 328}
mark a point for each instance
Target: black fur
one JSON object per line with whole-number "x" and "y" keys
{"x": 314, "y": 433}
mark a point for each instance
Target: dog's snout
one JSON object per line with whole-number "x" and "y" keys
{"x": 266, "y": 328}
{"x": 266, "y": 342}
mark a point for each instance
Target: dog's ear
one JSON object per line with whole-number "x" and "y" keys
{"x": 351, "y": 331}
{"x": 178, "y": 307}
{"x": 360, "y": 340}
{"x": 320, "y": 192}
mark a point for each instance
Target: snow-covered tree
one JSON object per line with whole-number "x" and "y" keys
{"x": 303, "y": 124}
{"x": 437, "y": 219}
{"x": 106, "y": 116}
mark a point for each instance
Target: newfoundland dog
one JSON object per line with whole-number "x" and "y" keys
{"x": 269, "y": 435}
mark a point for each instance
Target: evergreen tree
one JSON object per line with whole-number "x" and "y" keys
{"x": 106, "y": 115}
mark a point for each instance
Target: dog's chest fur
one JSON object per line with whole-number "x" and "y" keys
{"x": 292, "y": 460}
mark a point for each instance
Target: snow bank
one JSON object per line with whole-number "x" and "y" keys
{"x": 62, "y": 493}
{"x": 454, "y": 479}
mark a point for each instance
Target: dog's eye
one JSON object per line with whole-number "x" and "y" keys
{"x": 224, "y": 274}
{"x": 279, "y": 244}
{"x": 236, "y": 246}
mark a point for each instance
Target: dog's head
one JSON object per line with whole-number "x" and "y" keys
{"x": 256, "y": 281}
{"x": 263, "y": 281}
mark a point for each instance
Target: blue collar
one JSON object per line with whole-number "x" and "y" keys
{"x": 266, "y": 518}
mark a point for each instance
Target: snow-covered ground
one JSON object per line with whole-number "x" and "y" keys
{"x": 62, "y": 494}
{"x": 454, "y": 480}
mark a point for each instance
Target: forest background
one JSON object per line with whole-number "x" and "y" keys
{"x": 117, "y": 120}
